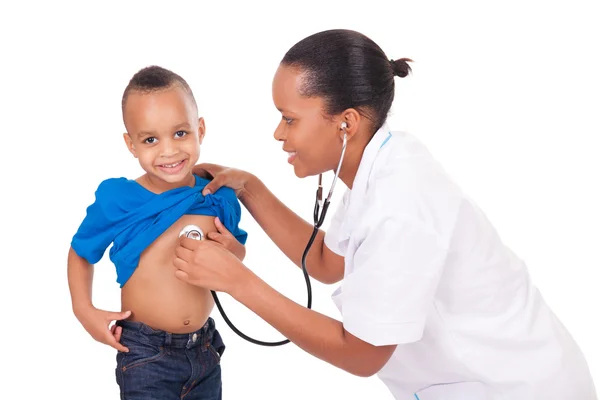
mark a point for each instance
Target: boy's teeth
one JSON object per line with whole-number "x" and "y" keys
{"x": 171, "y": 165}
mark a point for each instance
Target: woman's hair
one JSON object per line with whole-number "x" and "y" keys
{"x": 348, "y": 70}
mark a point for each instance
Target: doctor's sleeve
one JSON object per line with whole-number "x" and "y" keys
{"x": 390, "y": 291}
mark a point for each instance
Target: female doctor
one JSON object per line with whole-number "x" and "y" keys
{"x": 431, "y": 299}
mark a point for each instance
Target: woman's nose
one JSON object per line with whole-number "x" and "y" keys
{"x": 279, "y": 133}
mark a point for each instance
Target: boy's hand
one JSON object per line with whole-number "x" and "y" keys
{"x": 96, "y": 323}
{"x": 229, "y": 241}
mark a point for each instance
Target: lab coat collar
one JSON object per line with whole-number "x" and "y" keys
{"x": 360, "y": 184}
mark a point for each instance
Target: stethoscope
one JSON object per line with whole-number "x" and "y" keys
{"x": 320, "y": 211}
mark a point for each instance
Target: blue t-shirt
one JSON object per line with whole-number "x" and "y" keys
{"x": 131, "y": 217}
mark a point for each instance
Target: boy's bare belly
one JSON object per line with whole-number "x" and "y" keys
{"x": 156, "y": 297}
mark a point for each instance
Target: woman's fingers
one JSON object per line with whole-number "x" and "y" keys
{"x": 184, "y": 253}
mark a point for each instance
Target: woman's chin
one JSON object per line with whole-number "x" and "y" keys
{"x": 302, "y": 172}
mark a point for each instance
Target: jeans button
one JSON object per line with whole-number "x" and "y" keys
{"x": 194, "y": 337}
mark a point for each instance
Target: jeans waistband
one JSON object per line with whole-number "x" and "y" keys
{"x": 138, "y": 331}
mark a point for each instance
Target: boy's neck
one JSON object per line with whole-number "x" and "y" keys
{"x": 158, "y": 186}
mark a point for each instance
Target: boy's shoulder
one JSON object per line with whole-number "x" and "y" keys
{"x": 111, "y": 184}
{"x": 119, "y": 192}
{"x": 115, "y": 187}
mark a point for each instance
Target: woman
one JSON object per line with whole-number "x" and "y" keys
{"x": 431, "y": 299}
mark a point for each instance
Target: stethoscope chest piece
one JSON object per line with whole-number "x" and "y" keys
{"x": 192, "y": 232}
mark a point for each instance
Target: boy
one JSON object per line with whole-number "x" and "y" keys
{"x": 168, "y": 345}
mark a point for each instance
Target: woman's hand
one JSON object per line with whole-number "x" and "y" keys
{"x": 210, "y": 265}
{"x": 224, "y": 237}
{"x": 235, "y": 179}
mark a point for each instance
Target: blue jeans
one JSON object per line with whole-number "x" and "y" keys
{"x": 162, "y": 365}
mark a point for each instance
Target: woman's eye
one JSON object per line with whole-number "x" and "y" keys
{"x": 150, "y": 140}
{"x": 180, "y": 134}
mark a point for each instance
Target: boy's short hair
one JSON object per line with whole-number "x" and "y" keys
{"x": 154, "y": 78}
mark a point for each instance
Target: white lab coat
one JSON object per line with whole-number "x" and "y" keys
{"x": 425, "y": 269}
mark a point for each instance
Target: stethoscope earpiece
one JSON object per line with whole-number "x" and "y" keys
{"x": 320, "y": 206}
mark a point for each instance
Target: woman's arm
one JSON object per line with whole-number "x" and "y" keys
{"x": 210, "y": 265}
{"x": 285, "y": 228}
{"x": 315, "y": 333}
{"x": 291, "y": 233}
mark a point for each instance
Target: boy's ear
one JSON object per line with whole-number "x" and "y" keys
{"x": 129, "y": 143}
{"x": 201, "y": 129}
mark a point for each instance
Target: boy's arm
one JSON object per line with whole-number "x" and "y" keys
{"x": 80, "y": 274}
{"x": 87, "y": 247}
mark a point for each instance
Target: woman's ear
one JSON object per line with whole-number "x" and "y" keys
{"x": 349, "y": 123}
{"x": 129, "y": 143}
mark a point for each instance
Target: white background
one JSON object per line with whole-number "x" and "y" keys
{"x": 505, "y": 94}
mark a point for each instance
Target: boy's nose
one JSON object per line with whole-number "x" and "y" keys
{"x": 168, "y": 147}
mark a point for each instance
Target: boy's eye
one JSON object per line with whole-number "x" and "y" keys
{"x": 150, "y": 140}
{"x": 180, "y": 134}
{"x": 287, "y": 120}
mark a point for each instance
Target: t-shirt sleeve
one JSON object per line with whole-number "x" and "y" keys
{"x": 332, "y": 235}
{"x": 396, "y": 271}
{"x": 96, "y": 231}
{"x": 232, "y": 217}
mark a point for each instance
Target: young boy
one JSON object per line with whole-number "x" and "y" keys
{"x": 168, "y": 345}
